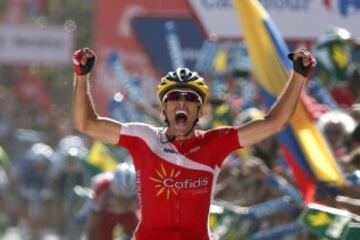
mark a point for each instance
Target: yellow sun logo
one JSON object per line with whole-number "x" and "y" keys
{"x": 161, "y": 179}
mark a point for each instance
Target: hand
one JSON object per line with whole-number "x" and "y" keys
{"x": 83, "y": 60}
{"x": 303, "y": 62}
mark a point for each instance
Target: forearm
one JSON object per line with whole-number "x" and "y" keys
{"x": 82, "y": 107}
{"x": 285, "y": 106}
{"x": 85, "y": 118}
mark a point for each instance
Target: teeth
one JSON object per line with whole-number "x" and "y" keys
{"x": 181, "y": 111}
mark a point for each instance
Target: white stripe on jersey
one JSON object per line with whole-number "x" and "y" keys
{"x": 151, "y": 135}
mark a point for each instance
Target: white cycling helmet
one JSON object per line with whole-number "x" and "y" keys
{"x": 124, "y": 181}
{"x": 39, "y": 151}
{"x": 338, "y": 117}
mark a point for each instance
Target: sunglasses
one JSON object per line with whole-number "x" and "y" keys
{"x": 177, "y": 95}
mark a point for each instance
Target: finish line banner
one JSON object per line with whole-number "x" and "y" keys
{"x": 296, "y": 20}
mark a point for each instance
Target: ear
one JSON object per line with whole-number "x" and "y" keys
{"x": 163, "y": 107}
{"x": 201, "y": 111}
{"x": 162, "y": 112}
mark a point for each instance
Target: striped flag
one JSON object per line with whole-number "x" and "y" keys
{"x": 100, "y": 159}
{"x": 303, "y": 145}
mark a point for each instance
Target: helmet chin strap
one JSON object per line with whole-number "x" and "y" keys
{"x": 172, "y": 138}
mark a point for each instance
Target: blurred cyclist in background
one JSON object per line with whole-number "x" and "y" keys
{"x": 35, "y": 194}
{"x": 68, "y": 173}
{"x": 177, "y": 166}
{"x": 114, "y": 206}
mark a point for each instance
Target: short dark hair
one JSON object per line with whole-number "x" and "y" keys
{"x": 355, "y": 158}
{"x": 355, "y": 135}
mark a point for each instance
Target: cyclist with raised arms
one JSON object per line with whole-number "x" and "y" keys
{"x": 177, "y": 166}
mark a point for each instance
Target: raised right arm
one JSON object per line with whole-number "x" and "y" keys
{"x": 84, "y": 116}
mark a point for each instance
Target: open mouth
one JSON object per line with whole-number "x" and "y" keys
{"x": 180, "y": 117}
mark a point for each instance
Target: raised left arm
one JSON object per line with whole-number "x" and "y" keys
{"x": 281, "y": 112}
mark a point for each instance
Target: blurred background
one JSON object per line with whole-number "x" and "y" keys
{"x": 263, "y": 192}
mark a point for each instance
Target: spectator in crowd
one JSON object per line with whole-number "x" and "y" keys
{"x": 348, "y": 92}
{"x": 337, "y": 125}
{"x": 349, "y": 195}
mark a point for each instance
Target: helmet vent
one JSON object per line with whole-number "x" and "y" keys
{"x": 182, "y": 74}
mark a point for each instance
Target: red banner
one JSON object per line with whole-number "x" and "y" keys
{"x": 114, "y": 34}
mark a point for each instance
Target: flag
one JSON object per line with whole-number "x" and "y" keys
{"x": 100, "y": 159}
{"x": 303, "y": 145}
{"x": 329, "y": 223}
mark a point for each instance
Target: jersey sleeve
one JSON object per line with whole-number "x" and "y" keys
{"x": 132, "y": 133}
{"x": 222, "y": 141}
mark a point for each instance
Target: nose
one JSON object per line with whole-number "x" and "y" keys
{"x": 181, "y": 101}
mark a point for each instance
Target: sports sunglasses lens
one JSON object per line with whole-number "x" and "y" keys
{"x": 177, "y": 95}
{"x": 191, "y": 97}
{"x": 173, "y": 96}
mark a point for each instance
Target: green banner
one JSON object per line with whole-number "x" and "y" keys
{"x": 329, "y": 223}
{"x": 352, "y": 231}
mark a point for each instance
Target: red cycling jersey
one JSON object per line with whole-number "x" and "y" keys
{"x": 112, "y": 210}
{"x": 175, "y": 179}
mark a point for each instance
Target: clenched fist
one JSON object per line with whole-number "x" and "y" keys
{"x": 83, "y": 60}
{"x": 303, "y": 62}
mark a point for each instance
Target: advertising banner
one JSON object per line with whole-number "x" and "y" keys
{"x": 190, "y": 39}
{"x": 121, "y": 30}
{"x": 296, "y": 20}
{"x": 23, "y": 44}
